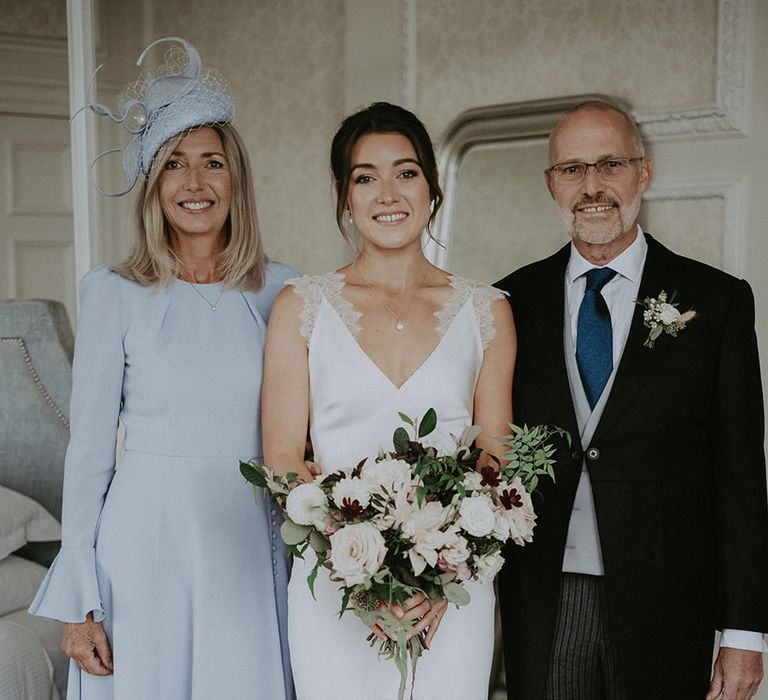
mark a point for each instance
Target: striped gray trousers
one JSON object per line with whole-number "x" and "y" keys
{"x": 583, "y": 664}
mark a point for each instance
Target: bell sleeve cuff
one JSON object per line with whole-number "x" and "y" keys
{"x": 70, "y": 589}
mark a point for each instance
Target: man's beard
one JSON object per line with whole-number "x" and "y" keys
{"x": 596, "y": 233}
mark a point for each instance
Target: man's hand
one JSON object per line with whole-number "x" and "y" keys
{"x": 736, "y": 675}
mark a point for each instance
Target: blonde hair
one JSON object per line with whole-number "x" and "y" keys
{"x": 242, "y": 262}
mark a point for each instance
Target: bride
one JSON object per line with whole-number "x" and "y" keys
{"x": 346, "y": 351}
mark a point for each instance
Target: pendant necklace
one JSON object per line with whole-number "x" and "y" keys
{"x": 399, "y": 325}
{"x": 210, "y": 303}
{"x": 192, "y": 284}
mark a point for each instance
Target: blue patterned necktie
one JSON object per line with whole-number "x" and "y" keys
{"x": 594, "y": 337}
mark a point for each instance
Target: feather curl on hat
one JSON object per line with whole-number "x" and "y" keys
{"x": 178, "y": 96}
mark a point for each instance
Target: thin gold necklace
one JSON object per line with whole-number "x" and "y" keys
{"x": 399, "y": 325}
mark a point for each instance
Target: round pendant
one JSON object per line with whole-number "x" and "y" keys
{"x": 400, "y": 326}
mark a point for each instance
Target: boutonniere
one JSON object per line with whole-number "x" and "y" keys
{"x": 662, "y": 316}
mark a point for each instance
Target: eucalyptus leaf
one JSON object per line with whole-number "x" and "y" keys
{"x": 456, "y": 593}
{"x": 319, "y": 542}
{"x": 428, "y": 423}
{"x": 293, "y": 533}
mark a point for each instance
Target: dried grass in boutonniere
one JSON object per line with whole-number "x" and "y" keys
{"x": 662, "y": 316}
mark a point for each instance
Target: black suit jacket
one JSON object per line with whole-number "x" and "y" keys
{"x": 678, "y": 481}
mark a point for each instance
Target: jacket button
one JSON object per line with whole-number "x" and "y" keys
{"x": 593, "y": 453}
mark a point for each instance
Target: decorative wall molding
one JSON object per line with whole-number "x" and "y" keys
{"x": 521, "y": 121}
{"x": 33, "y": 77}
{"x": 728, "y": 116}
{"x": 34, "y": 44}
{"x": 734, "y": 193}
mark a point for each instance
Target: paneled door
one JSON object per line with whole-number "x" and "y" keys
{"x": 36, "y": 234}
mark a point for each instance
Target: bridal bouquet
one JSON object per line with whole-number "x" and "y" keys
{"x": 412, "y": 521}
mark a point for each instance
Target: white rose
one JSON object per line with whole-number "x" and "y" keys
{"x": 353, "y": 490}
{"x": 473, "y": 481}
{"x": 477, "y": 515}
{"x": 392, "y": 475}
{"x": 356, "y": 551}
{"x": 501, "y": 526}
{"x": 668, "y": 314}
{"x": 307, "y": 505}
{"x": 487, "y": 566}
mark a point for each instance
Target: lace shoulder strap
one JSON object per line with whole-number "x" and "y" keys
{"x": 312, "y": 289}
{"x": 461, "y": 289}
{"x": 483, "y": 296}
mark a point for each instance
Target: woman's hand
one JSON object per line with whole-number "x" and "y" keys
{"x": 426, "y": 612}
{"x": 86, "y": 643}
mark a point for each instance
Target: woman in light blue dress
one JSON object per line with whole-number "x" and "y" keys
{"x": 171, "y": 580}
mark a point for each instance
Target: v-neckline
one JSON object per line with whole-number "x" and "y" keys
{"x": 441, "y": 322}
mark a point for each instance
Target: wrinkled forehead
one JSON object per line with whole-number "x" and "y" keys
{"x": 589, "y": 135}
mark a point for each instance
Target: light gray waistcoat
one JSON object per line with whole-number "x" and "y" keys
{"x": 582, "y": 547}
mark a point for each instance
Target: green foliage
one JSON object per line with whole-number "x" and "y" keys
{"x": 254, "y": 473}
{"x": 530, "y": 454}
{"x": 313, "y": 574}
{"x": 405, "y": 419}
{"x": 292, "y": 533}
{"x": 428, "y": 423}
{"x": 319, "y": 542}
{"x": 456, "y": 593}
{"x": 401, "y": 442}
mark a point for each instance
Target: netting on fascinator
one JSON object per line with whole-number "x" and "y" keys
{"x": 177, "y": 96}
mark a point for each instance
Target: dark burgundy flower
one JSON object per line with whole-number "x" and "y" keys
{"x": 511, "y": 498}
{"x": 490, "y": 477}
{"x": 350, "y": 509}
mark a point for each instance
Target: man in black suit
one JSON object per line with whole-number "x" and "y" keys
{"x": 655, "y": 533}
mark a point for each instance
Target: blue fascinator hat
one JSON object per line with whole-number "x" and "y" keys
{"x": 179, "y": 95}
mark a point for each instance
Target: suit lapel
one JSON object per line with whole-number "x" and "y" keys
{"x": 637, "y": 361}
{"x": 550, "y": 321}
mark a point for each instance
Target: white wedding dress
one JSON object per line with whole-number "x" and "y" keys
{"x": 353, "y": 413}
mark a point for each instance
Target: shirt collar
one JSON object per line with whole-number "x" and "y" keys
{"x": 629, "y": 263}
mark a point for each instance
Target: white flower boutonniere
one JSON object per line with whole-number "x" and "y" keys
{"x": 662, "y": 316}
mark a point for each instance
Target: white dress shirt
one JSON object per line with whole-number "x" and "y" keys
{"x": 620, "y": 294}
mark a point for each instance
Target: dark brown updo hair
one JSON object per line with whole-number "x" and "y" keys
{"x": 382, "y": 118}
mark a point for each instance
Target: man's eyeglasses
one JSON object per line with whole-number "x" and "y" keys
{"x": 608, "y": 169}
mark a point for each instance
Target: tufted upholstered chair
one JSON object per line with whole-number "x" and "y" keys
{"x": 36, "y": 345}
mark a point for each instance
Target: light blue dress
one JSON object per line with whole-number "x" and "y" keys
{"x": 172, "y": 550}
